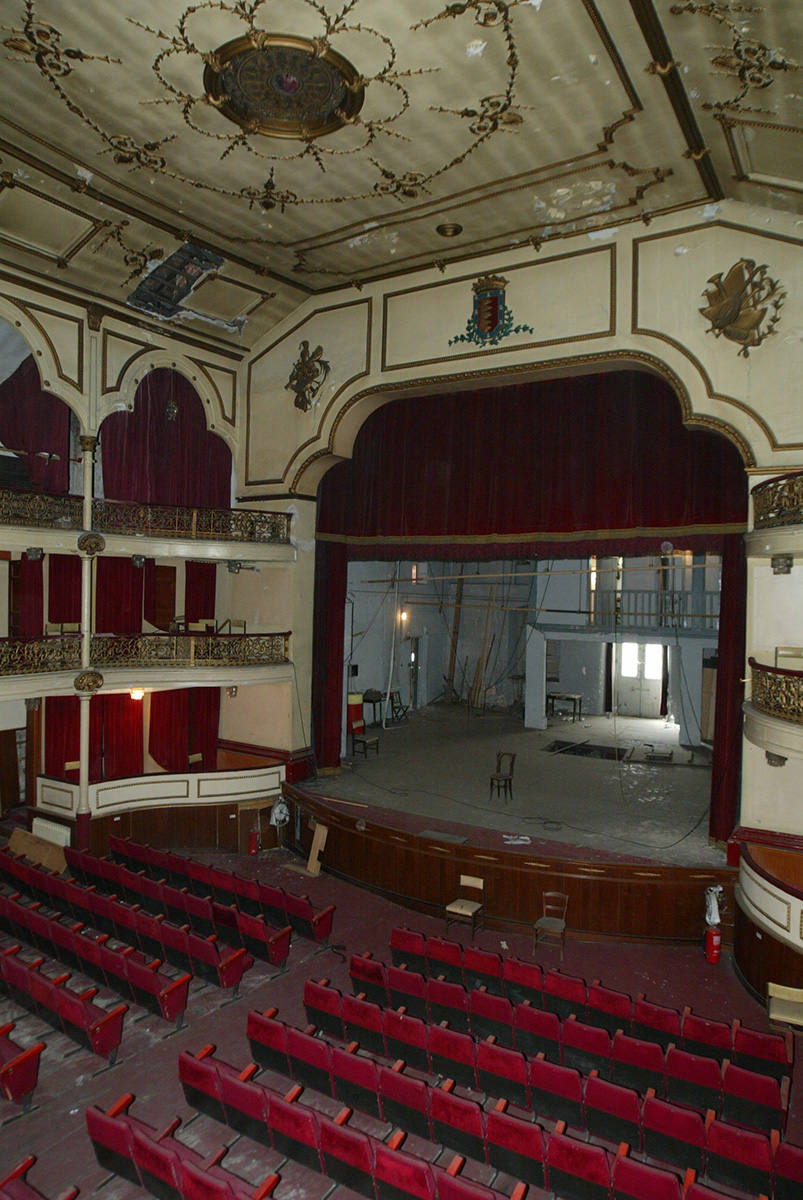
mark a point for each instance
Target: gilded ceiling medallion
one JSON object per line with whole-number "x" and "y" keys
{"x": 283, "y": 86}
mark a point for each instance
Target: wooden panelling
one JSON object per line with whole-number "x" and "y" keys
{"x": 622, "y": 900}
{"x": 762, "y": 959}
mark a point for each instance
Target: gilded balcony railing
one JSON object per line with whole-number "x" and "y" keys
{"x": 779, "y": 501}
{"x": 29, "y": 656}
{"x": 777, "y": 691}
{"x": 152, "y": 520}
{"x": 189, "y": 650}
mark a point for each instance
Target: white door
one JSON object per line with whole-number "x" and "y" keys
{"x": 638, "y": 677}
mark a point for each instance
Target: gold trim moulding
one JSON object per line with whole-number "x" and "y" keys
{"x": 30, "y": 509}
{"x": 32, "y": 656}
{"x": 778, "y": 502}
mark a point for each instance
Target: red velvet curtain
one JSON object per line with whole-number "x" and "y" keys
{"x": 37, "y": 426}
{"x": 327, "y": 650}
{"x": 157, "y": 460}
{"x": 204, "y": 722}
{"x": 63, "y": 736}
{"x": 118, "y": 596}
{"x": 199, "y": 591}
{"x": 64, "y": 588}
{"x": 727, "y": 750}
{"x": 122, "y": 736}
{"x": 169, "y": 735}
{"x": 29, "y": 600}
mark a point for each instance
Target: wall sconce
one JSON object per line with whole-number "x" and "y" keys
{"x": 231, "y": 692}
{"x": 34, "y": 554}
{"x": 774, "y": 760}
{"x": 403, "y": 616}
{"x": 138, "y": 560}
{"x": 233, "y": 566}
{"x": 137, "y": 693}
{"x": 781, "y": 564}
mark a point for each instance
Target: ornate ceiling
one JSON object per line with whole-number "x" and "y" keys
{"x": 285, "y": 147}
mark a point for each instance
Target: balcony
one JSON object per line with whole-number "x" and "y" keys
{"x": 777, "y": 691}
{"x": 33, "y": 656}
{"x": 648, "y": 610}
{"x": 778, "y": 502}
{"x": 33, "y": 510}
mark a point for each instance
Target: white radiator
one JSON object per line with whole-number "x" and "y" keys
{"x": 51, "y": 831}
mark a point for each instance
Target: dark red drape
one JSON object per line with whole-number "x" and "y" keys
{"x": 29, "y": 600}
{"x": 62, "y": 735}
{"x": 327, "y": 650}
{"x": 122, "y": 736}
{"x": 118, "y": 596}
{"x": 151, "y": 458}
{"x": 169, "y": 735}
{"x": 553, "y": 468}
{"x": 727, "y": 750}
{"x": 37, "y": 426}
{"x": 64, "y": 588}
{"x": 205, "y": 719}
{"x": 199, "y": 591}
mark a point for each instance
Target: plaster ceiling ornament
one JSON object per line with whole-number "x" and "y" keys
{"x": 307, "y": 376}
{"x": 738, "y": 304}
{"x": 491, "y": 320}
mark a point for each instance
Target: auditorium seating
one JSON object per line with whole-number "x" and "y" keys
{"x": 19, "y": 1068}
{"x": 14, "y": 1184}
{"x": 98, "y": 1029}
{"x": 278, "y": 907}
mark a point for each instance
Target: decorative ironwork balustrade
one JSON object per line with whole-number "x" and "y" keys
{"x": 189, "y": 650}
{"x": 35, "y": 509}
{"x": 29, "y": 656}
{"x": 778, "y": 502}
{"x": 777, "y": 691}
{"x": 152, "y": 520}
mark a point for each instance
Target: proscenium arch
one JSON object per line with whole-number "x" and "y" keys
{"x": 141, "y": 365}
{"x": 356, "y": 410}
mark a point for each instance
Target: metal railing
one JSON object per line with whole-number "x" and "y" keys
{"x": 778, "y": 502}
{"x": 29, "y": 656}
{"x": 777, "y": 691}
{"x": 153, "y": 520}
{"x": 648, "y": 609}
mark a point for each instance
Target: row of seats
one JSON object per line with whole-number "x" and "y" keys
{"x": 567, "y": 995}
{"x": 737, "y": 1095}
{"x": 662, "y": 1131}
{"x": 278, "y": 907}
{"x": 14, "y": 1184}
{"x": 19, "y": 1068}
{"x": 126, "y": 971}
{"x": 75, "y": 1013}
{"x": 159, "y": 1162}
{"x": 560, "y": 1163}
{"x": 150, "y": 931}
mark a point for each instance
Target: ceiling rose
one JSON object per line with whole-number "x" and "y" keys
{"x": 283, "y": 86}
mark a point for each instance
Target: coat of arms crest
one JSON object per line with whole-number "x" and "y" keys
{"x": 491, "y": 320}
{"x": 738, "y": 304}
{"x": 307, "y": 376}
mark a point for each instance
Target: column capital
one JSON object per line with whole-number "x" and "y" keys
{"x": 88, "y": 442}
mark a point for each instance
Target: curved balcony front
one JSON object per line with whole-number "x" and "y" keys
{"x": 777, "y": 691}
{"x": 47, "y": 665}
{"x": 777, "y": 520}
{"x": 131, "y": 527}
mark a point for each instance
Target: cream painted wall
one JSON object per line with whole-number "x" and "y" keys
{"x": 259, "y": 715}
{"x": 771, "y": 796}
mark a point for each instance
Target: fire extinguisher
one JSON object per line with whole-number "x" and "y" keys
{"x": 713, "y": 943}
{"x": 253, "y": 841}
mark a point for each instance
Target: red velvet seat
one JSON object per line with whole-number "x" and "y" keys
{"x": 175, "y": 942}
{"x": 456, "y": 1187}
{"x": 448, "y": 1002}
{"x": 198, "y": 1076}
{"x": 408, "y": 989}
{"x": 482, "y": 968}
{"x": 157, "y": 991}
{"x": 310, "y": 1060}
{"x": 445, "y": 958}
{"x": 739, "y": 1158}
{"x": 515, "y": 1147}
{"x": 770, "y": 1053}
{"x": 656, "y": 1023}
{"x": 347, "y": 1155}
{"x": 408, "y": 949}
{"x": 673, "y": 1134}
{"x": 523, "y": 981}
{"x": 368, "y": 975}
{"x": 218, "y": 964}
{"x": 407, "y": 1037}
{"x": 200, "y": 914}
{"x": 19, "y": 1068}
{"x": 362, "y": 1022}
{"x": 693, "y": 1080}
{"x": 788, "y": 1169}
{"x": 355, "y": 1080}
{"x": 295, "y": 1131}
{"x": 405, "y": 1101}
{"x": 755, "y": 1100}
{"x": 537, "y": 1032}
{"x": 267, "y": 1038}
{"x": 246, "y": 1103}
{"x": 612, "y": 1113}
{"x": 263, "y": 941}
{"x": 247, "y": 895}
{"x": 491, "y": 1016}
{"x": 273, "y": 904}
{"x": 502, "y": 1072}
{"x": 453, "y": 1055}
{"x": 398, "y": 1175}
{"x": 709, "y": 1039}
{"x": 223, "y": 885}
{"x": 175, "y": 904}
{"x": 636, "y": 1181}
{"x": 609, "y": 1009}
{"x": 577, "y": 1170}
{"x": 638, "y": 1064}
{"x": 324, "y": 1007}
{"x": 306, "y": 921}
{"x": 556, "y": 1092}
{"x": 458, "y": 1123}
{"x": 586, "y": 1048}
{"x": 564, "y": 994}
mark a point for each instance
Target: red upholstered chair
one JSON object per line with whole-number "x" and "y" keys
{"x": 457, "y": 1122}
{"x": 482, "y": 969}
{"x": 522, "y": 981}
{"x": 347, "y": 1154}
{"x": 638, "y": 1064}
{"x": 656, "y": 1023}
{"x": 247, "y": 893}
{"x": 503, "y": 1072}
{"x": 295, "y": 1130}
{"x": 564, "y": 994}
{"x": 198, "y": 1075}
{"x": 739, "y": 1158}
{"x": 586, "y": 1047}
{"x": 515, "y": 1147}
{"x": 324, "y": 1007}
{"x": 445, "y": 958}
{"x": 788, "y": 1168}
{"x": 611, "y": 1010}
{"x": 453, "y": 1055}
{"x": 19, "y": 1068}
{"x": 263, "y": 941}
{"x": 362, "y": 1022}
{"x": 693, "y": 1080}
{"x": 267, "y": 1038}
{"x": 556, "y": 1092}
{"x": 709, "y": 1039}
{"x": 273, "y": 904}
{"x": 537, "y": 1032}
{"x": 770, "y": 1053}
{"x": 491, "y": 1016}
{"x": 577, "y": 1170}
{"x": 369, "y": 976}
{"x": 612, "y": 1113}
{"x": 355, "y": 1080}
{"x": 636, "y": 1181}
{"x": 673, "y": 1134}
{"x": 408, "y": 949}
{"x": 399, "y": 1175}
{"x": 755, "y": 1100}
{"x": 310, "y": 1060}
{"x": 407, "y": 1038}
{"x": 317, "y": 926}
{"x": 246, "y": 1104}
{"x": 448, "y": 1002}
{"x": 408, "y": 989}
{"x": 405, "y": 1101}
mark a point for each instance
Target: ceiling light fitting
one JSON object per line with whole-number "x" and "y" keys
{"x": 781, "y": 564}
{"x": 34, "y": 554}
{"x": 449, "y": 229}
{"x": 137, "y": 693}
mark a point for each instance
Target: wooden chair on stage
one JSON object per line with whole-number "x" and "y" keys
{"x": 469, "y": 906}
{"x": 552, "y": 924}
{"x": 502, "y": 778}
{"x": 398, "y": 711}
{"x": 362, "y": 741}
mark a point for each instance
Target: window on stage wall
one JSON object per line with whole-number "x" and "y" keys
{"x": 628, "y": 667}
{"x": 653, "y": 661}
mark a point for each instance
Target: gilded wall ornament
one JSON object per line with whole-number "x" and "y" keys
{"x": 307, "y": 376}
{"x": 739, "y": 304}
{"x": 491, "y": 320}
{"x": 91, "y": 543}
{"x": 88, "y": 681}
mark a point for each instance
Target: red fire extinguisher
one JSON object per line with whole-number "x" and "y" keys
{"x": 713, "y": 943}
{"x": 253, "y": 841}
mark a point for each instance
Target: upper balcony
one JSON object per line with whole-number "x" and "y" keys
{"x": 161, "y": 529}
{"x": 777, "y": 531}
{"x": 777, "y": 691}
{"x": 652, "y": 611}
